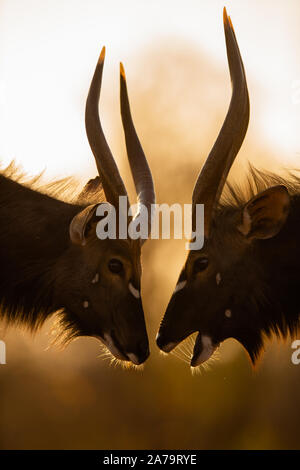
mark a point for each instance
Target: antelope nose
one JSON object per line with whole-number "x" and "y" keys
{"x": 163, "y": 343}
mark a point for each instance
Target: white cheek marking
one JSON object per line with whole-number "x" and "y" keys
{"x": 218, "y": 278}
{"x": 180, "y": 286}
{"x": 95, "y": 279}
{"x": 228, "y": 313}
{"x": 136, "y": 293}
{"x": 85, "y": 304}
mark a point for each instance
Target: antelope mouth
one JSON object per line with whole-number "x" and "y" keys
{"x": 114, "y": 347}
{"x": 203, "y": 349}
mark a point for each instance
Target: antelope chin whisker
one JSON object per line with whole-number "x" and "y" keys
{"x": 126, "y": 365}
{"x": 208, "y": 365}
{"x": 114, "y": 361}
{"x": 163, "y": 353}
{"x": 184, "y": 350}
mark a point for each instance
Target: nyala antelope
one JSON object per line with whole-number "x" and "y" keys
{"x": 244, "y": 283}
{"x": 52, "y": 260}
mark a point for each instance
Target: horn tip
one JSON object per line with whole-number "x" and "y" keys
{"x": 227, "y": 20}
{"x": 122, "y": 71}
{"x": 102, "y": 55}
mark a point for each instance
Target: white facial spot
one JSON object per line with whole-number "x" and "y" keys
{"x": 218, "y": 278}
{"x": 85, "y": 304}
{"x": 136, "y": 293}
{"x": 228, "y": 313}
{"x": 180, "y": 286}
{"x": 95, "y": 279}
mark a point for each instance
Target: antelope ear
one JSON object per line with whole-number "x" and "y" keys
{"x": 265, "y": 214}
{"x": 79, "y": 224}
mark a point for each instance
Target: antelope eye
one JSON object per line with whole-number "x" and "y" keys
{"x": 200, "y": 264}
{"x": 115, "y": 266}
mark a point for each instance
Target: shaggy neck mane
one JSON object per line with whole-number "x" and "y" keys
{"x": 34, "y": 234}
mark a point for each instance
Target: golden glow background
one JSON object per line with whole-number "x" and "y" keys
{"x": 175, "y": 60}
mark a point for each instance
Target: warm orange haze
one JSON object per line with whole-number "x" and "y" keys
{"x": 178, "y": 82}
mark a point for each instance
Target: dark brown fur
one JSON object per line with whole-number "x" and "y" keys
{"x": 35, "y": 219}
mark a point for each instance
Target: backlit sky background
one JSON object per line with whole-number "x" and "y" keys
{"x": 48, "y": 51}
